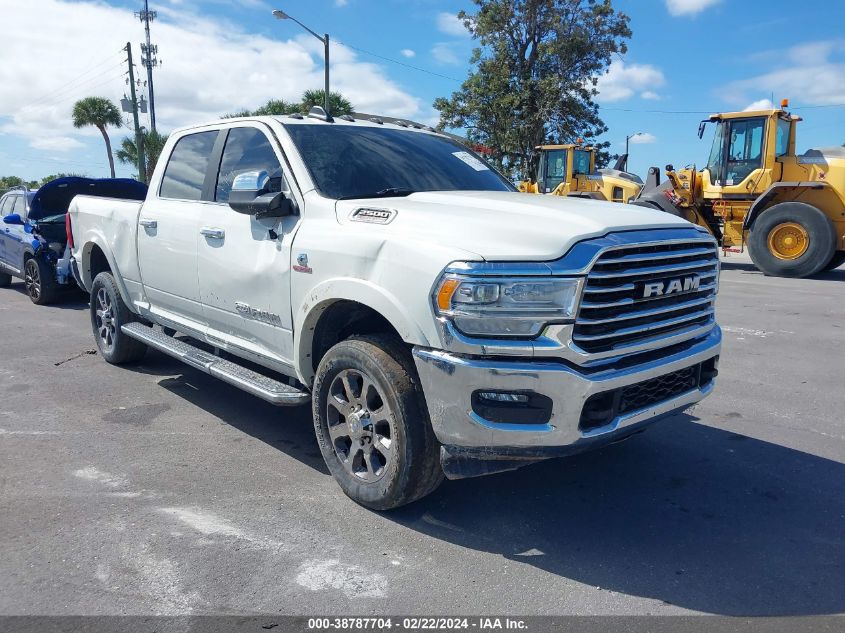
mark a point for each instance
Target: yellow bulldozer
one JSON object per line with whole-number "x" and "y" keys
{"x": 570, "y": 170}
{"x": 755, "y": 190}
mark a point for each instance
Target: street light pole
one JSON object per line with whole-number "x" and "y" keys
{"x": 628, "y": 138}
{"x": 281, "y": 15}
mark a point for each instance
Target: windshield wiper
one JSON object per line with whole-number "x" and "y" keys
{"x": 390, "y": 192}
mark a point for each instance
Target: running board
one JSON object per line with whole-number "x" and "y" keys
{"x": 266, "y": 388}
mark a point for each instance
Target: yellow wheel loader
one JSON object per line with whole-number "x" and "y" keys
{"x": 570, "y": 170}
{"x": 788, "y": 209}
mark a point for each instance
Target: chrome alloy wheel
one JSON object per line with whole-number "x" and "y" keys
{"x": 105, "y": 319}
{"x": 361, "y": 425}
{"x": 32, "y": 279}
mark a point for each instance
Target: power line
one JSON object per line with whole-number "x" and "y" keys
{"x": 61, "y": 95}
{"x": 400, "y": 63}
{"x": 61, "y": 88}
{"x": 642, "y": 111}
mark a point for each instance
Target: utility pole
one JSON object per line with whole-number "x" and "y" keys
{"x": 148, "y": 57}
{"x": 139, "y": 138}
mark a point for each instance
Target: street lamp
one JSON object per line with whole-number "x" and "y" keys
{"x": 628, "y": 138}
{"x": 281, "y": 15}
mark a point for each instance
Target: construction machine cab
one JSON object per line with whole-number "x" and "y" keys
{"x": 754, "y": 190}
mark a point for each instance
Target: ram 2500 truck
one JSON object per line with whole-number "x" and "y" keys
{"x": 438, "y": 320}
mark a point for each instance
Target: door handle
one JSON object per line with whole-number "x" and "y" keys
{"x": 148, "y": 224}
{"x": 216, "y": 234}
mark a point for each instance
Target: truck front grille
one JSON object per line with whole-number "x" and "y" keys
{"x": 631, "y": 295}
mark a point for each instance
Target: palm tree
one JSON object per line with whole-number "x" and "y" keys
{"x": 99, "y": 112}
{"x": 339, "y": 104}
{"x": 153, "y": 144}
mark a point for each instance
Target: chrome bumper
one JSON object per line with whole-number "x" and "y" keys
{"x": 449, "y": 380}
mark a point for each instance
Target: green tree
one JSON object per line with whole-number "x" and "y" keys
{"x": 339, "y": 105}
{"x": 534, "y": 76}
{"x": 153, "y": 144}
{"x": 101, "y": 113}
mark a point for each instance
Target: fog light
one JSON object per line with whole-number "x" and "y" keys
{"x": 502, "y": 396}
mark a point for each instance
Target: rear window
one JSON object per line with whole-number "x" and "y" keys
{"x": 185, "y": 173}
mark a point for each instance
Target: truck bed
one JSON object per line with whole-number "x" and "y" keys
{"x": 111, "y": 223}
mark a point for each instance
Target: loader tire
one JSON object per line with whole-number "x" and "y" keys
{"x": 792, "y": 239}
{"x": 836, "y": 261}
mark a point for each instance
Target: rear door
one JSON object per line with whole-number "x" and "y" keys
{"x": 6, "y": 204}
{"x": 15, "y": 235}
{"x": 168, "y": 231}
{"x": 244, "y": 263}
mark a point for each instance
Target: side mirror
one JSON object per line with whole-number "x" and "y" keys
{"x": 13, "y": 218}
{"x": 251, "y": 195}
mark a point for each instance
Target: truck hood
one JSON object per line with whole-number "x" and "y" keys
{"x": 506, "y": 226}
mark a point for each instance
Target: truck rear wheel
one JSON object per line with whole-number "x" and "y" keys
{"x": 39, "y": 282}
{"x": 372, "y": 425}
{"x": 791, "y": 239}
{"x": 108, "y": 315}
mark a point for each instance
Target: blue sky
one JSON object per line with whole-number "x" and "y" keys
{"x": 686, "y": 58}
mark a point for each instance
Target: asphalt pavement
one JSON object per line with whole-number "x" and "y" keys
{"x": 156, "y": 489}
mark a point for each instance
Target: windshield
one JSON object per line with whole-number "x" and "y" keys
{"x": 347, "y": 161}
{"x": 715, "y": 163}
{"x": 552, "y": 169}
{"x": 581, "y": 162}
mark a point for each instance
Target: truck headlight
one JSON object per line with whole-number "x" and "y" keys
{"x": 512, "y": 306}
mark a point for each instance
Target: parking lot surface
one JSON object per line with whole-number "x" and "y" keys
{"x": 156, "y": 489}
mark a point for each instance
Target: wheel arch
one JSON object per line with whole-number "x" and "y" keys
{"x": 347, "y": 307}
{"x": 822, "y": 195}
{"x": 96, "y": 258}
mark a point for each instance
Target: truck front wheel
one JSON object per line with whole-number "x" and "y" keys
{"x": 372, "y": 424}
{"x": 792, "y": 239}
{"x": 108, "y": 315}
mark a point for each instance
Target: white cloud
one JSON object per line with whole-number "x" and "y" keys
{"x": 209, "y": 68}
{"x": 407, "y": 52}
{"x": 622, "y": 81}
{"x": 689, "y": 7}
{"x": 643, "y": 138}
{"x": 761, "y": 104}
{"x": 651, "y": 95}
{"x": 56, "y": 143}
{"x": 444, "y": 54}
{"x": 813, "y": 73}
{"x": 341, "y": 3}
{"x": 449, "y": 24}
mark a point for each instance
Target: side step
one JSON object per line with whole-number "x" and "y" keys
{"x": 273, "y": 391}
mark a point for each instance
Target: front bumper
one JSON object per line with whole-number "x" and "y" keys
{"x": 450, "y": 380}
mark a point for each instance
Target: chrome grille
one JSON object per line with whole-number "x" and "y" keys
{"x": 613, "y": 314}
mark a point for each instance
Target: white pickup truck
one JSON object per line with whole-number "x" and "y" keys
{"x": 439, "y": 321}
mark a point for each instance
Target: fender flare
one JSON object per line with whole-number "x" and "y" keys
{"x": 762, "y": 201}
{"x": 318, "y": 299}
{"x": 99, "y": 241}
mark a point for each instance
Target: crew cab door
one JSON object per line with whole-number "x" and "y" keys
{"x": 168, "y": 230}
{"x": 244, "y": 262}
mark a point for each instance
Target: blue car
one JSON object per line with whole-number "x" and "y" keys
{"x": 33, "y": 233}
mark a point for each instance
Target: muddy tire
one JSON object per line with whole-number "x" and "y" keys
{"x": 372, "y": 424}
{"x": 836, "y": 261}
{"x": 792, "y": 239}
{"x": 5, "y": 280}
{"x": 39, "y": 282}
{"x": 108, "y": 315}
